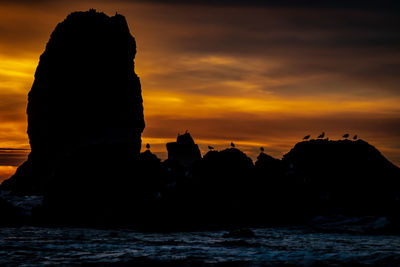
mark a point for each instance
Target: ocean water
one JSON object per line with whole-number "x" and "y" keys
{"x": 34, "y": 246}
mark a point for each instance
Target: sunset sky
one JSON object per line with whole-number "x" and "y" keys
{"x": 258, "y": 73}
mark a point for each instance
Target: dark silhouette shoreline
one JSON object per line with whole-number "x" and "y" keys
{"x": 225, "y": 190}
{"x": 85, "y": 119}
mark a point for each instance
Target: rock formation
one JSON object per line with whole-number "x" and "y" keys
{"x": 222, "y": 184}
{"x": 184, "y": 150}
{"x": 268, "y": 166}
{"x": 10, "y": 215}
{"x": 86, "y": 97}
{"x": 342, "y": 160}
{"x": 85, "y": 119}
{"x": 346, "y": 176}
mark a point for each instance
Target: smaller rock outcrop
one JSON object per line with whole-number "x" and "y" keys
{"x": 222, "y": 183}
{"x": 184, "y": 150}
{"x": 343, "y": 176}
{"x": 268, "y": 166}
{"x": 227, "y": 166}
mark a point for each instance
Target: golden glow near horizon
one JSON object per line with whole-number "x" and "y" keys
{"x": 6, "y": 172}
{"x": 250, "y": 76}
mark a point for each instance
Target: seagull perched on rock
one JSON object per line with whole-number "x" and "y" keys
{"x": 148, "y": 146}
{"x": 306, "y": 137}
{"x": 232, "y": 144}
{"x": 355, "y": 137}
{"x": 321, "y": 135}
{"x": 210, "y": 147}
{"x": 262, "y": 149}
{"x": 346, "y": 136}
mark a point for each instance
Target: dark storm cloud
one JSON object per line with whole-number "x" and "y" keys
{"x": 280, "y": 3}
{"x": 333, "y": 47}
{"x": 25, "y": 2}
{"x": 264, "y": 32}
{"x": 292, "y": 3}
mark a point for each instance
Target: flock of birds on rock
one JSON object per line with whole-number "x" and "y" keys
{"x": 322, "y": 135}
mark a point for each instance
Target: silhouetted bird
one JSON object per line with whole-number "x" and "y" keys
{"x": 346, "y": 136}
{"x": 306, "y": 137}
{"x": 322, "y": 135}
{"x": 262, "y": 149}
{"x": 355, "y": 137}
{"x": 148, "y": 146}
{"x": 232, "y": 144}
{"x": 210, "y": 147}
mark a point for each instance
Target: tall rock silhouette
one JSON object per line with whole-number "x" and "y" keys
{"x": 85, "y": 94}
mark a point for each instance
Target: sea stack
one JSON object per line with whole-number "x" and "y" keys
{"x": 85, "y": 101}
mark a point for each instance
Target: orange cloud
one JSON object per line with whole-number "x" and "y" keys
{"x": 6, "y": 172}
